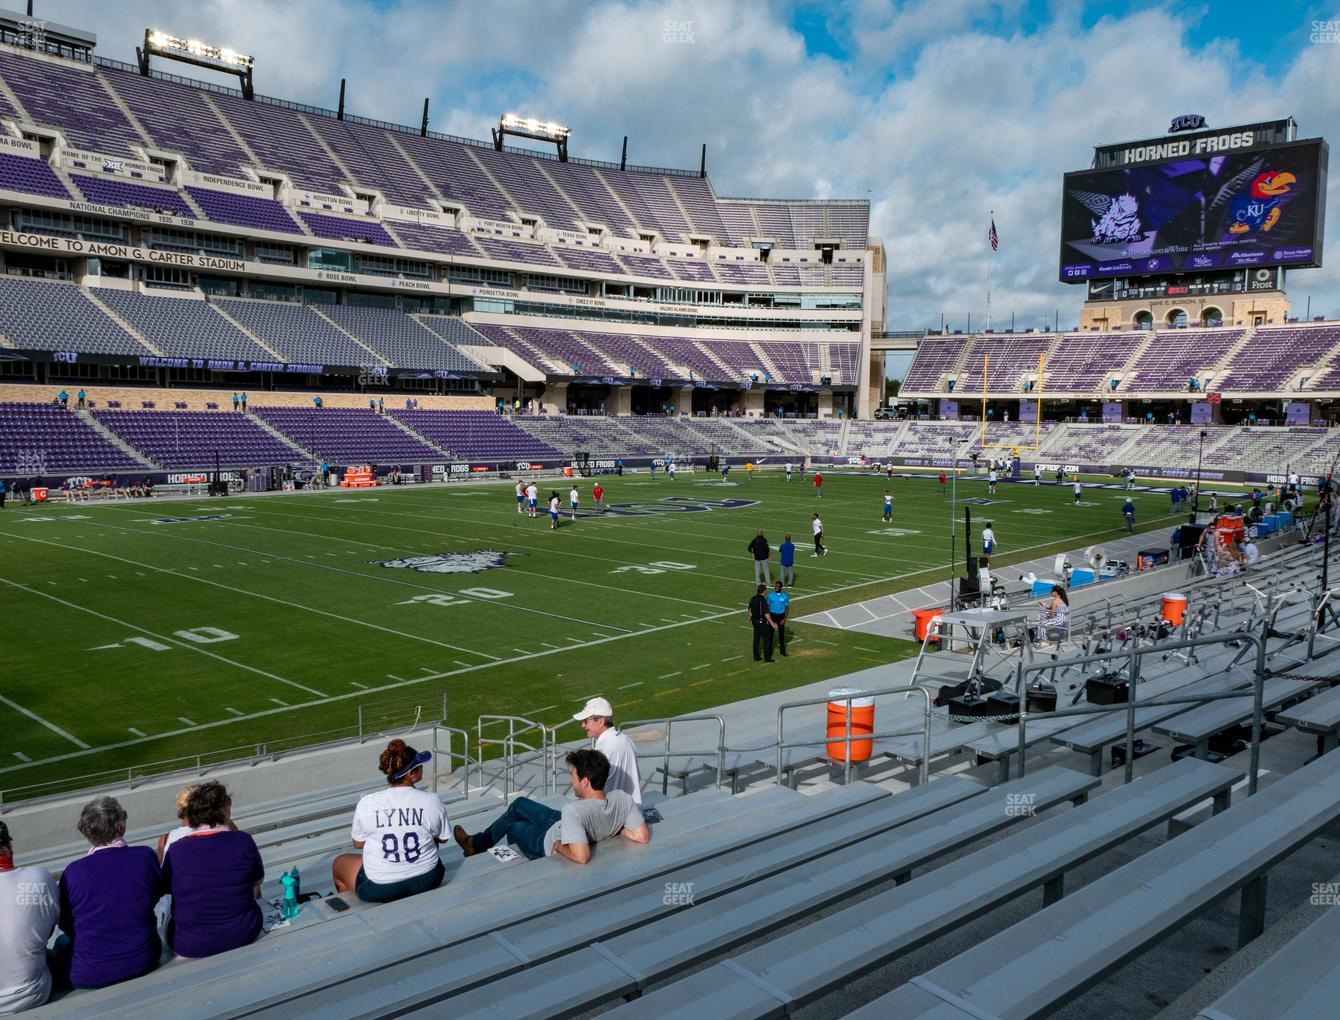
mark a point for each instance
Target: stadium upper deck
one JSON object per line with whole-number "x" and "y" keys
{"x": 1297, "y": 360}
{"x": 181, "y": 186}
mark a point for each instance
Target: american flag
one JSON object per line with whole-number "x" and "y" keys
{"x": 994, "y": 237}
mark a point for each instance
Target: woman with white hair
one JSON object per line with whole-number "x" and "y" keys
{"x": 107, "y": 900}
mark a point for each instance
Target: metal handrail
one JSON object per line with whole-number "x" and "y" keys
{"x": 1133, "y": 659}
{"x": 923, "y": 769}
{"x": 509, "y": 744}
{"x": 667, "y": 754}
{"x": 450, "y": 731}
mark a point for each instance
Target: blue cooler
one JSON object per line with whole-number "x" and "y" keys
{"x": 1267, "y": 525}
{"x": 1283, "y": 519}
{"x": 1081, "y": 576}
{"x": 1041, "y": 588}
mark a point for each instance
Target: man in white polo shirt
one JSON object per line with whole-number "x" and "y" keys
{"x": 597, "y": 719}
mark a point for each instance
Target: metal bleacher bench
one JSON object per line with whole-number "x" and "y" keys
{"x": 818, "y": 958}
{"x": 1299, "y": 982}
{"x": 481, "y": 895}
{"x": 1200, "y": 724}
{"x": 1319, "y": 715}
{"x": 1045, "y": 961}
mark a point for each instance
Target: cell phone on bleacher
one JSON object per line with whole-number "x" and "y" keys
{"x": 651, "y": 815}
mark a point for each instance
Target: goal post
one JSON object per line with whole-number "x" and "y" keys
{"x": 1035, "y": 394}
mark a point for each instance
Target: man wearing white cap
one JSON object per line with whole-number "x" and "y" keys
{"x": 597, "y": 719}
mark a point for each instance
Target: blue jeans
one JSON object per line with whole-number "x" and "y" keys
{"x": 524, "y": 823}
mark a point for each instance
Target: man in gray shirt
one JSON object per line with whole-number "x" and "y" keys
{"x": 29, "y": 906}
{"x": 540, "y": 831}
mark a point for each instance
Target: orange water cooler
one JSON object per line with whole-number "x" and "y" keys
{"x": 359, "y": 478}
{"x": 862, "y": 725}
{"x": 1174, "y": 608}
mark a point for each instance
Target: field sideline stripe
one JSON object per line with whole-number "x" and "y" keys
{"x": 440, "y": 676}
{"x": 37, "y": 718}
{"x": 258, "y": 595}
{"x": 360, "y": 573}
{"x": 161, "y": 637}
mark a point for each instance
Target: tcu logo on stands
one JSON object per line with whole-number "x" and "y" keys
{"x": 449, "y": 563}
{"x": 65, "y": 357}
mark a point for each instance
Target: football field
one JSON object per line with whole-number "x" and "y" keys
{"x": 136, "y": 632}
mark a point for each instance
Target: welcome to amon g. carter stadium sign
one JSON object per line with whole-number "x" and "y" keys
{"x": 1211, "y": 141}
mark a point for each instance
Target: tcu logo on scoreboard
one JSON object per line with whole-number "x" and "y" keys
{"x": 1187, "y": 122}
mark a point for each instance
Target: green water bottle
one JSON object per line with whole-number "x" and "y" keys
{"x": 289, "y": 907}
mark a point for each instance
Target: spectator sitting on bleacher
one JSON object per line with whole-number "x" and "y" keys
{"x": 597, "y": 719}
{"x": 397, "y": 830}
{"x": 28, "y": 911}
{"x": 540, "y": 831}
{"x": 107, "y": 900}
{"x": 172, "y": 835}
{"x": 214, "y": 875}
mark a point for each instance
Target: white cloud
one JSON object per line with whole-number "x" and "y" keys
{"x": 945, "y": 112}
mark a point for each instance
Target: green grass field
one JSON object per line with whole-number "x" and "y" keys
{"x": 138, "y": 632}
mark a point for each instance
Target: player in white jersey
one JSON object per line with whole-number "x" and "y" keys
{"x": 573, "y": 499}
{"x": 532, "y": 498}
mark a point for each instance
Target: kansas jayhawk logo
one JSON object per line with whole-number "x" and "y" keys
{"x": 1260, "y": 210}
{"x": 449, "y": 563}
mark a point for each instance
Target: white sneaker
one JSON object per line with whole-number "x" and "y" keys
{"x": 814, "y": 556}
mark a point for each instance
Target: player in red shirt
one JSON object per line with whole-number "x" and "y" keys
{"x": 818, "y": 485}
{"x": 942, "y": 481}
{"x": 596, "y": 493}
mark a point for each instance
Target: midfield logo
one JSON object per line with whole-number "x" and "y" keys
{"x": 670, "y": 504}
{"x": 449, "y": 563}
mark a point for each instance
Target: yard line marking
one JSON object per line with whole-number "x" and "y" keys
{"x": 457, "y": 661}
{"x": 358, "y": 685}
{"x": 267, "y": 598}
{"x": 112, "y": 576}
{"x": 278, "y": 702}
{"x": 626, "y": 686}
{"x": 737, "y": 672}
{"x": 138, "y": 733}
{"x": 38, "y": 719}
{"x": 672, "y": 690}
{"x": 548, "y": 645}
{"x": 182, "y": 718}
{"x": 859, "y": 648}
{"x": 520, "y": 651}
{"x": 377, "y": 577}
{"x": 234, "y": 711}
{"x": 537, "y": 711}
{"x": 472, "y": 668}
{"x": 625, "y": 704}
{"x": 392, "y": 676}
{"x": 699, "y": 683}
{"x": 21, "y": 756}
{"x": 703, "y": 666}
{"x": 190, "y": 646}
{"x": 86, "y": 579}
{"x": 667, "y": 676}
{"x": 732, "y": 658}
{"x": 219, "y": 565}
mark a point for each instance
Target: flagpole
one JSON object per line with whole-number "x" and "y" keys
{"x": 989, "y": 265}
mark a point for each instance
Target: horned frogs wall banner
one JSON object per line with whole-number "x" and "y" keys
{"x": 449, "y": 563}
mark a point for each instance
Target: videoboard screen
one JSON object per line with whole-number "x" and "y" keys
{"x": 1260, "y": 208}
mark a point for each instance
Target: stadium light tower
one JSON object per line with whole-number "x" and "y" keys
{"x": 530, "y": 127}
{"x": 201, "y": 54}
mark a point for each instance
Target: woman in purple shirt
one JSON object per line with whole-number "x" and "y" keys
{"x": 107, "y": 900}
{"x": 214, "y": 875}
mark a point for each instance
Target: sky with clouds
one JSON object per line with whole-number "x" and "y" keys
{"x": 943, "y": 113}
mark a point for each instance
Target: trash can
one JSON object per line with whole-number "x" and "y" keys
{"x": 862, "y": 725}
{"x": 923, "y": 618}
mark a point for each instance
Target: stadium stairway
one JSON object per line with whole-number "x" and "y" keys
{"x": 111, "y": 437}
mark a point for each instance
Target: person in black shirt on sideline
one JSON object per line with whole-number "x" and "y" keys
{"x": 763, "y": 626}
{"x": 761, "y": 553}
